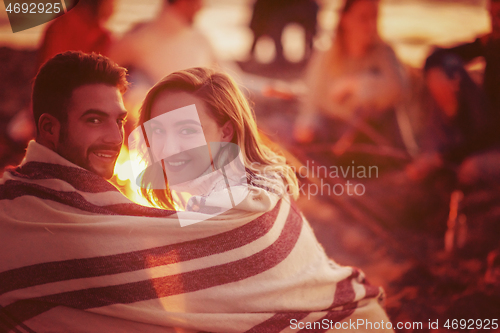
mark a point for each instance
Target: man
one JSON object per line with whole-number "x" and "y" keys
{"x": 80, "y": 113}
{"x": 77, "y": 256}
{"x": 270, "y": 17}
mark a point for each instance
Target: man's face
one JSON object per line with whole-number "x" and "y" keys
{"x": 93, "y": 134}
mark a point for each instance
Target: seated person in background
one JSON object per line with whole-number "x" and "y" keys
{"x": 167, "y": 44}
{"x": 487, "y": 46}
{"x": 81, "y": 29}
{"x": 460, "y": 131}
{"x": 154, "y": 49}
{"x": 79, "y": 256}
{"x": 359, "y": 76}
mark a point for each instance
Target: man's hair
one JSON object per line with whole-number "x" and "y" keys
{"x": 61, "y": 75}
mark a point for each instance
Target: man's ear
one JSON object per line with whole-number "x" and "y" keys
{"x": 227, "y": 131}
{"x": 49, "y": 129}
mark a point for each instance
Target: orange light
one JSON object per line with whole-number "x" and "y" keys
{"x": 123, "y": 177}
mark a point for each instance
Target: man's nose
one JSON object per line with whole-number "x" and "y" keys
{"x": 114, "y": 134}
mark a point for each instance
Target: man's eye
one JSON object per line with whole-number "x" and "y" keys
{"x": 121, "y": 122}
{"x": 94, "y": 120}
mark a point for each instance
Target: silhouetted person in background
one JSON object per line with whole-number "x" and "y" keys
{"x": 270, "y": 17}
{"x": 81, "y": 29}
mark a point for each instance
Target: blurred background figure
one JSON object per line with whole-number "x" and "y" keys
{"x": 461, "y": 141}
{"x": 270, "y": 17}
{"x": 461, "y": 133}
{"x": 154, "y": 49}
{"x": 487, "y": 46}
{"x": 166, "y": 44}
{"x": 81, "y": 29}
{"x": 358, "y": 79}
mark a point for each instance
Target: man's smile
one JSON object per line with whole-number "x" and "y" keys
{"x": 106, "y": 154}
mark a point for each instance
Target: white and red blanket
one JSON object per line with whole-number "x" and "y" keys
{"x": 77, "y": 256}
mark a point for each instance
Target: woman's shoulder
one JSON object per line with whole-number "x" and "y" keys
{"x": 269, "y": 182}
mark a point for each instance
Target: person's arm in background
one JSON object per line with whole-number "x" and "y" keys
{"x": 469, "y": 51}
{"x": 381, "y": 88}
{"x": 315, "y": 83}
{"x": 432, "y": 143}
{"x": 477, "y": 129}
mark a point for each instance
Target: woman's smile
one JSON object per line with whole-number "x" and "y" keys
{"x": 176, "y": 164}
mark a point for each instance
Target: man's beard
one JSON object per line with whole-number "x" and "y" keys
{"x": 80, "y": 157}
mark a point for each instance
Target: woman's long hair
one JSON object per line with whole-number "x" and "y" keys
{"x": 472, "y": 102}
{"x": 226, "y": 103}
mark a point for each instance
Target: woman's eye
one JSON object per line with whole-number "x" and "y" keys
{"x": 187, "y": 131}
{"x": 158, "y": 131}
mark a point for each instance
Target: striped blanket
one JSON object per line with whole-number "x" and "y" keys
{"x": 77, "y": 256}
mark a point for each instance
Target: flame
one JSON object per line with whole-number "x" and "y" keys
{"x": 124, "y": 179}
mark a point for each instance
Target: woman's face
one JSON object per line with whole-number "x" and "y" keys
{"x": 359, "y": 23}
{"x": 444, "y": 90}
{"x": 180, "y": 132}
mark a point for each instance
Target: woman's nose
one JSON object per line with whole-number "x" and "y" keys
{"x": 171, "y": 145}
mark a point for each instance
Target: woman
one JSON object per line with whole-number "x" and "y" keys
{"x": 359, "y": 76}
{"x": 203, "y": 140}
{"x": 461, "y": 132}
{"x": 195, "y": 124}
